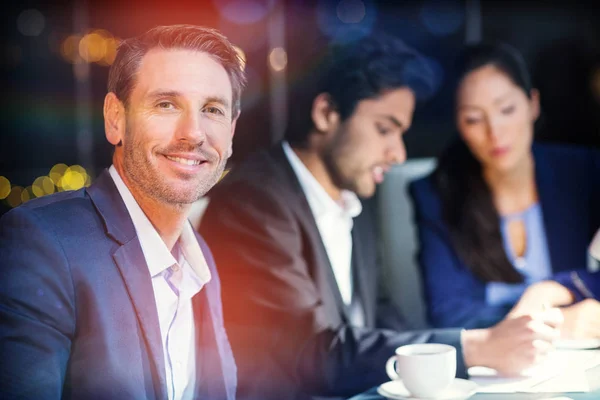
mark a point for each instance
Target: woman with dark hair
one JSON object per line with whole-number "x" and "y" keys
{"x": 501, "y": 218}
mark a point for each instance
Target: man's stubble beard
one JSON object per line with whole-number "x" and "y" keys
{"x": 145, "y": 176}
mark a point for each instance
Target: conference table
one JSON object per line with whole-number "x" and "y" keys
{"x": 592, "y": 377}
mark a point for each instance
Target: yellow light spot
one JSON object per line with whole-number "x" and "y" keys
{"x": 242, "y": 57}
{"x": 103, "y": 33}
{"x": 48, "y": 185}
{"x": 38, "y": 187}
{"x": 57, "y": 172}
{"x": 4, "y": 187}
{"x": 69, "y": 49}
{"x": 27, "y": 194}
{"x": 278, "y": 59}
{"x": 111, "y": 52}
{"x": 77, "y": 168}
{"x": 92, "y": 47}
{"x": 14, "y": 198}
{"x": 72, "y": 179}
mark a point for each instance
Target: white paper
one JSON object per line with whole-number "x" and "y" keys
{"x": 562, "y": 372}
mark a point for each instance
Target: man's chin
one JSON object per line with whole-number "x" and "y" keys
{"x": 365, "y": 191}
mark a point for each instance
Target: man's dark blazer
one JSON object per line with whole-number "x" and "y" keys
{"x": 77, "y": 313}
{"x": 284, "y": 314}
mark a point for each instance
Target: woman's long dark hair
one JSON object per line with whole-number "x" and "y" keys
{"x": 467, "y": 204}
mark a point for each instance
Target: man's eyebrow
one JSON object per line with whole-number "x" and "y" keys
{"x": 157, "y": 94}
{"x": 218, "y": 99}
{"x": 163, "y": 93}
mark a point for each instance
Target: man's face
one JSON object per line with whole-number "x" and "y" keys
{"x": 179, "y": 126}
{"x": 364, "y": 146}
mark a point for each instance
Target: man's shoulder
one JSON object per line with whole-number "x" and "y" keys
{"x": 64, "y": 210}
{"x": 263, "y": 171}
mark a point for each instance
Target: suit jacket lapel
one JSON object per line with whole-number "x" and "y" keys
{"x": 130, "y": 260}
{"x": 304, "y": 212}
{"x": 215, "y": 367}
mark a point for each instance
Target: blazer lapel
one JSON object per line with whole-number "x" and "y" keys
{"x": 307, "y": 219}
{"x": 215, "y": 367}
{"x": 131, "y": 263}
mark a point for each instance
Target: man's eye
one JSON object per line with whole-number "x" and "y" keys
{"x": 214, "y": 110}
{"x": 167, "y": 105}
{"x": 471, "y": 121}
{"x": 383, "y": 130}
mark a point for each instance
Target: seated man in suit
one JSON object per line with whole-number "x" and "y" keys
{"x": 107, "y": 292}
{"x": 298, "y": 258}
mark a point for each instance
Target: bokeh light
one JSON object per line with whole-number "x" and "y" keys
{"x": 278, "y": 59}
{"x": 345, "y": 21}
{"x": 31, "y": 22}
{"x": 69, "y": 49}
{"x": 92, "y": 47}
{"x": 60, "y": 178}
{"x": 74, "y": 178}
{"x": 48, "y": 185}
{"x": 98, "y": 46}
{"x": 4, "y": 187}
{"x": 57, "y": 172}
{"x": 442, "y": 18}
{"x": 244, "y": 11}
{"x": 112, "y": 45}
{"x": 37, "y": 187}
{"x": 351, "y": 11}
{"x": 42, "y": 186}
{"x": 27, "y": 194}
{"x": 14, "y": 198}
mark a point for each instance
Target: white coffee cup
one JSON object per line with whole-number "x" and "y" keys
{"x": 425, "y": 369}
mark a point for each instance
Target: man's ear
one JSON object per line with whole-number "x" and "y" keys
{"x": 233, "y": 125}
{"x": 114, "y": 119}
{"x": 324, "y": 115}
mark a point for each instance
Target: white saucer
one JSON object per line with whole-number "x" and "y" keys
{"x": 577, "y": 344}
{"x": 460, "y": 389}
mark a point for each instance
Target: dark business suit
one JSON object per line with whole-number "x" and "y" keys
{"x": 284, "y": 314}
{"x": 568, "y": 185}
{"x": 77, "y": 313}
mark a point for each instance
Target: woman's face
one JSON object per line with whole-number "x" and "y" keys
{"x": 495, "y": 118}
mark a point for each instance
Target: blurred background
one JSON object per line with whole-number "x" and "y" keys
{"x": 55, "y": 60}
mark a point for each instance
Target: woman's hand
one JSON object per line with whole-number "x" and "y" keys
{"x": 582, "y": 320}
{"x": 541, "y": 296}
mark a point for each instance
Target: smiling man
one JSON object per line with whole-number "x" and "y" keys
{"x": 107, "y": 292}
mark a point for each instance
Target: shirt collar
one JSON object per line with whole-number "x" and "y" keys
{"x": 320, "y": 201}
{"x": 157, "y": 255}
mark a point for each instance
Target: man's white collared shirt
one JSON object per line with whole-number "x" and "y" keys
{"x": 334, "y": 221}
{"x": 174, "y": 305}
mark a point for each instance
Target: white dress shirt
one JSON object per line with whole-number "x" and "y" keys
{"x": 334, "y": 221}
{"x": 173, "y": 299}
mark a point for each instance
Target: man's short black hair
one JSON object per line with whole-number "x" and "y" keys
{"x": 356, "y": 71}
